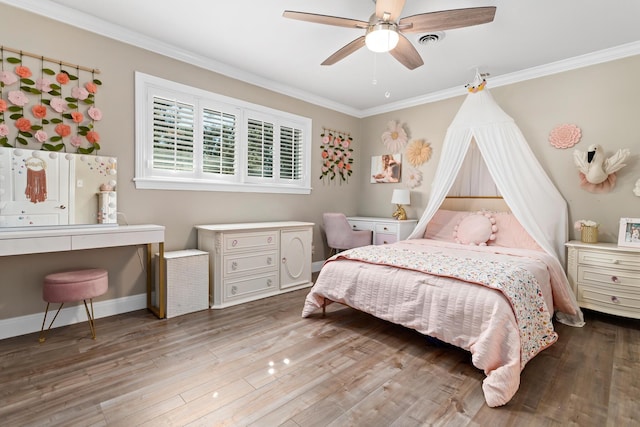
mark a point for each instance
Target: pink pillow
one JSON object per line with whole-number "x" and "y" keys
{"x": 477, "y": 229}
{"x": 512, "y": 234}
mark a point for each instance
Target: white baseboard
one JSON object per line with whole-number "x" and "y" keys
{"x": 316, "y": 266}
{"x": 33, "y": 322}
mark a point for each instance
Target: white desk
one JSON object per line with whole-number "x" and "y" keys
{"x": 385, "y": 230}
{"x": 38, "y": 240}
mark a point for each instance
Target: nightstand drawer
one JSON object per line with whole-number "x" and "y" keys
{"x": 609, "y": 277}
{"x": 245, "y": 287}
{"x": 609, "y": 259}
{"x": 603, "y": 299}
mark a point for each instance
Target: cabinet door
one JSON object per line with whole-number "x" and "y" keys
{"x": 295, "y": 254}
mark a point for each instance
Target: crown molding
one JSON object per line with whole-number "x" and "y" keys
{"x": 92, "y": 24}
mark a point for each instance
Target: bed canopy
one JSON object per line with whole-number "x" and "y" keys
{"x": 516, "y": 172}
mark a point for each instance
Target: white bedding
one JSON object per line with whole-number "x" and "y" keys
{"x": 471, "y": 316}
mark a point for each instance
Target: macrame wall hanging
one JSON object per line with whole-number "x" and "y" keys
{"x": 47, "y": 103}
{"x": 36, "y": 190}
{"x": 337, "y": 156}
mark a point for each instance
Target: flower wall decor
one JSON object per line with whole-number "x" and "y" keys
{"x": 418, "y": 152}
{"x": 51, "y": 107}
{"x": 565, "y": 136}
{"x": 337, "y": 155}
{"x": 412, "y": 177}
{"x": 395, "y": 137}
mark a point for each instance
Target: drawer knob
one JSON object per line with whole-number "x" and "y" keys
{"x": 269, "y": 282}
{"x": 269, "y": 239}
{"x": 284, "y": 260}
{"x": 234, "y": 243}
{"x": 614, "y": 261}
{"x": 269, "y": 260}
{"x": 615, "y": 300}
{"x": 234, "y": 290}
{"x": 384, "y": 242}
{"x": 385, "y": 229}
{"x": 615, "y": 279}
{"x": 234, "y": 265}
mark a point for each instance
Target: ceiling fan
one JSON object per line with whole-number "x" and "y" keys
{"x": 384, "y": 31}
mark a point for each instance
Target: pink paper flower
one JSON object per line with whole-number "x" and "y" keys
{"x": 43, "y": 85}
{"x": 79, "y": 93}
{"x": 62, "y": 78}
{"x": 93, "y": 136}
{"x": 76, "y": 141}
{"x": 41, "y": 136}
{"x": 91, "y": 87}
{"x": 3, "y": 106}
{"x": 565, "y": 136}
{"x": 23, "y": 125}
{"x": 18, "y": 98}
{"x": 8, "y": 78}
{"x": 4, "y": 130}
{"x": 95, "y": 113}
{"x": 23, "y": 72}
{"x": 58, "y": 104}
{"x": 63, "y": 130}
{"x": 77, "y": 117}
{"x": 39, "y": 111}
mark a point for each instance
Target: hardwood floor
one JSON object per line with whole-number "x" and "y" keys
{"x": 261, "y": 364}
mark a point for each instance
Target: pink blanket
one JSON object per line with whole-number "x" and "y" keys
{"x": 477, "y": 318}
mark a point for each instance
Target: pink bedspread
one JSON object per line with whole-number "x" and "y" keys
{"x": 471, "y": 316}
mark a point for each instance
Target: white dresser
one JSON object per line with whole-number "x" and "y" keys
{"x": 249, "y": 261}
{"x": 385, "y": 230}
{"x": 605, "y": 277}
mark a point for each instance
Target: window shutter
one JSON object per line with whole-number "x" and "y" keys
{"x": 219, "y": 142}
{"x": 259, "y": 149}
{"x": 173, "y": 124}
{"x": 291, "y": 160}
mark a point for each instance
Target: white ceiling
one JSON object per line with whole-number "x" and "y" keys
{"x": 250, "y": 40}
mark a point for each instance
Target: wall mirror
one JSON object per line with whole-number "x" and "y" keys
{"x": 44, "y": 188}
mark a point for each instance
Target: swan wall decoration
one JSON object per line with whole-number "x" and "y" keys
{"x": 598, "y": 172}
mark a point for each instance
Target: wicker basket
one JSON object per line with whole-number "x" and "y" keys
{"x": 589, "y": 234}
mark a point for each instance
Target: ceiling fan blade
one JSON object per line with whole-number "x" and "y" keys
{"x": 392, "y": 7}
{"x": 325, "y": 19}
{"x": 406, "y": 54}
{"x": 447, "y": 19}
{"x": 345, "y": 51}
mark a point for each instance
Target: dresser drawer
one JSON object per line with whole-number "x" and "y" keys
{"x": 389, "y": 228}
{"x": 362, "y": 225}
{"x": 609, "y": 259}
{"x": 236, "y": 242}
{"x": 249, "y": 263}
{"x": 609, "y": 277}
{"x": 383, "y": 239}
{"x": 246, "y": 287}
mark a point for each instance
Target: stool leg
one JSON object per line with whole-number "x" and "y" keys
{"x": 92, "y": 325}
{"x": 42, "y": 331}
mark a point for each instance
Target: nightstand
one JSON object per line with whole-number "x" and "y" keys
{"x": 605, "y": 277}
{"x": 385, "y": 230}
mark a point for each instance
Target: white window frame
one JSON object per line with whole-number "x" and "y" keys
{"x": 146, "y": 177}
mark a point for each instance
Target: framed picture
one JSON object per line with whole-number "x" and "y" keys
{"x": 386, "y": 168}
{"x": 629, "y": 232}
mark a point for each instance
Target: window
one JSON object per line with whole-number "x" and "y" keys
{"x": 191, "y": 139}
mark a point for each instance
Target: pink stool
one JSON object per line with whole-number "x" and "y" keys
{"x": 71, "y": 286}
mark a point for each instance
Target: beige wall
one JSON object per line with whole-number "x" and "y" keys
{"x": 179, "y": 211}
{"x": 603, "y": 100}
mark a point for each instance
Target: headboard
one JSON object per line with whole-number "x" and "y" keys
{"x": 475, "y": 203}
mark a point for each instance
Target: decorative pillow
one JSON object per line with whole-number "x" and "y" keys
{"x": 512, "y": 233}
{"x": 477, "y": 229}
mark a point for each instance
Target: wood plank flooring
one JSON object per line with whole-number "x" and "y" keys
{"x": 261, "y": 364}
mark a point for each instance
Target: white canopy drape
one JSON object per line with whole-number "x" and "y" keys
{"x": 518, "y": 175}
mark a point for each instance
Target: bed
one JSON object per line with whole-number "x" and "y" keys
{"x": 495, "y": 298}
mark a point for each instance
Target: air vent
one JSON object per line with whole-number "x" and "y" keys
{"x": 431, "y": 38}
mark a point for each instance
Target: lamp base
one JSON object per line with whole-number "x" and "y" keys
{"x": 400, "y": 214}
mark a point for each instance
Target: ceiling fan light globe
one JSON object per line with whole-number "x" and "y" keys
{"x": 382, "y": 37}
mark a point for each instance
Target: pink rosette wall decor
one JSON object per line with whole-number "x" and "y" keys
{"x": 47, "y": 103}
{"x": 337, "y": 156}
{"x": 565, "y": 136}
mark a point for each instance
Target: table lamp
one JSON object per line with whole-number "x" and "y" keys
{"x": 399, "y": 198}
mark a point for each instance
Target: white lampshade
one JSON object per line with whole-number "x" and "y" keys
{"x": 382, "y": 37}
{"x": 401, "y": 197}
